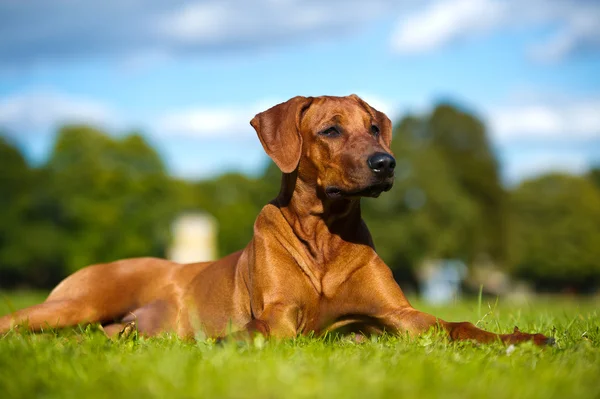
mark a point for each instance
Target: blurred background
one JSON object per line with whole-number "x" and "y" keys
{"x": 124, "y": 132}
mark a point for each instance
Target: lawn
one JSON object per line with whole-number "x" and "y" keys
{"x": 82, "y": 363}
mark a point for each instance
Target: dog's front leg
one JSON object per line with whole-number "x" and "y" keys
{"x": 411, "y": 321}
{"x": 380, "y": 297}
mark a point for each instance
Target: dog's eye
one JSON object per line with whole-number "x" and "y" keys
{"x": 330, "y": 132}
{"x": 374, "y": 130}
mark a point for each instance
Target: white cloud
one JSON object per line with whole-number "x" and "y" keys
{"x": 42, "y": 110}
{"x": 541, "y": 133}
{"x": 207, "y": 122}
{"x": 539, "y": 121}
{"x": 197, "y": 21}
{"x": 579, "y": 30}
{"x": 442, "y": 22}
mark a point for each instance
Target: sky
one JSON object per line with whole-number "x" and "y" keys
{"x": 191, "y": 75}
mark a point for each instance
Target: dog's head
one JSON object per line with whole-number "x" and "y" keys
{"x": 339, "y": 144}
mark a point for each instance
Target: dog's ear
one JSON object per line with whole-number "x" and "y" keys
{"x": 385, "y": 127}
{"x": 278, "y": 129}
{"x": 383, "y": 122}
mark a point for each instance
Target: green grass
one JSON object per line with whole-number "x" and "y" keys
{"x": 82, "y": 363}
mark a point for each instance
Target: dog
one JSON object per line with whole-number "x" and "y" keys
{"x": 310, "y": 267}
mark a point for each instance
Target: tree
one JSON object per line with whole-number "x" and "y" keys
{"x": 594, "y": 175}
{"x": 463, "y": 141}
{"x": 111, "y": 197}
{"x": 555, "y": 231}
{"x": 15, "y": 182}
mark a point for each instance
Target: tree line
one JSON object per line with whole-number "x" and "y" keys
{"x": 101, "y": 197}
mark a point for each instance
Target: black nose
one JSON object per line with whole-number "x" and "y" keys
{"x": 382, "y": 164}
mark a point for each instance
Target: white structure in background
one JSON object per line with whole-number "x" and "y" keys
{"x": 440, "y": 280}
{"x": 194, "y": 238}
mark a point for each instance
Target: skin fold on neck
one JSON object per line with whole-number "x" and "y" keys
{"x": 322, "y": 224}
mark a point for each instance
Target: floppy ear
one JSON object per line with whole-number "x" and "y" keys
{"x": 384, "y": 123}
{"x": 385, "y": 127}
{"x": 278, "y": 129}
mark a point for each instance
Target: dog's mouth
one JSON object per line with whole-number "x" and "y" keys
{"x": 373, "y": 191}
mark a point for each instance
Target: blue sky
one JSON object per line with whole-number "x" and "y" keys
{"x": 191, "y": 74}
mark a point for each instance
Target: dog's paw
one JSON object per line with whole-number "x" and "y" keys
{"x": 517, "y": 336}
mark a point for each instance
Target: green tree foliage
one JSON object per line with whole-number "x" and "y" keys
{"x": 594, "y": 175}
{"x": 112, "y": 196}
{"x": 16, "y": 181}
{"x": 463, "y": 141}
{"x": 97, "y": 199}
{"x": 555, "y": 231}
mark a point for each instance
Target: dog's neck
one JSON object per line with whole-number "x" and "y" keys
{"x": 311, "y": 214}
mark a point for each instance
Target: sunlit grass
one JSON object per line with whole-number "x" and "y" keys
{"x": 81, "y": 362}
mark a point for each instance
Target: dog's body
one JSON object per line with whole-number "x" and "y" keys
{"x": 310, "y": 267}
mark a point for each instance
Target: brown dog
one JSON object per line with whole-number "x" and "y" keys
{"x": 310, "y": 267}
